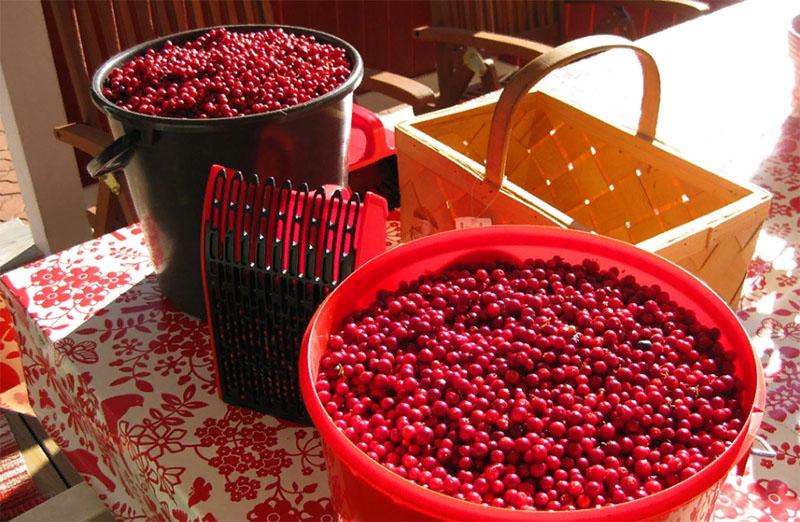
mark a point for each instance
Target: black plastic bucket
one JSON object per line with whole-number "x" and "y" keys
{"x": 167, "y": 160}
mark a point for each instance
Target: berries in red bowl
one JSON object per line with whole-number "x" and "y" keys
{"x": 552, "y": 371}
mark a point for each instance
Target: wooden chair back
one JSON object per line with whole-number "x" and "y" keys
{"x": 554, "y": 22}
{"x": 630, "y": 18}
{"x": 533, "y": 19}
{"x": 502, "y": 28}
{"x": 84, "y": 33}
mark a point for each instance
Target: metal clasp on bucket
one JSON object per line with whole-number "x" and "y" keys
{"x": 765, "y": 450}
{"x": 113, "y": 158}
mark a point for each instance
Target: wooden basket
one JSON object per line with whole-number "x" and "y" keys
{"x": 528, "y": 158}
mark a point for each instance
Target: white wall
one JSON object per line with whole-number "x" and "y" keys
{"x": 30, "y": 106}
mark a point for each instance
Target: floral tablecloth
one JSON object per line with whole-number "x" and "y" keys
{"x": 124, "y": 383}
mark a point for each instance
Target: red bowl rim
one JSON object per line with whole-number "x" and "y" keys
{"x": 419, "y": 498}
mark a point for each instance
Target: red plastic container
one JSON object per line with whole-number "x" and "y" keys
{"x": 370, "y": 142}
{"x": 362, "y": 489}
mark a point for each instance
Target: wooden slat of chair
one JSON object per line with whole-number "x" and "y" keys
{"x": 217, "y": 13}
{"x": 126, "y": 28}
{"x": 406, "y": 90}
{"x": 96, "y": 43}
{"x": 451, "y": 13}
{"x": 526, "y": 16}
{"x": 90, "y": 43}
{"x": 198, "y": 15}
{"x": 464, "y": 17}
{"x": 143, "y": 19}
{"x": 477, "y": 13}
{"x": 646, "y": 20}
{"x": 112, "y": 211}
{"x": 492, "y": 42}
{"x": 536, "y": 11}
{"x": 567, "y": 12}
{"x": 512, "y": 15}
{"x": 109, "y": 40}
{"x": 489, "y": 9}
{"x": 90, "y": 140}
{"x": 232, "y": 12}
{"x": 76, "y": 67}
{"x": 161, "y": 18}
{"x": 519, "y": 15}
{"x": 249, "y": 12}
{"x": 269, "y": 16}
{"x": 181, "y": 15}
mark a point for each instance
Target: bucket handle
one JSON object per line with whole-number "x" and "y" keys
{"x": 115, "y": 156}
{"x": 527, "y": 77}
{"x": 765, "y": 450}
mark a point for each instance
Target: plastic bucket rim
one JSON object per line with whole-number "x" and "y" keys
{"x": 424, "y": 500}
{"x": 213, "y": 124}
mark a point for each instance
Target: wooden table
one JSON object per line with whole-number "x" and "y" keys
{"x": 726, "y": 85}
{"x": 124, "y": 383}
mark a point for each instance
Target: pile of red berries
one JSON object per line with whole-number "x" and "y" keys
{"x": 545, "y": 385}
{"x": 223, "y": 74}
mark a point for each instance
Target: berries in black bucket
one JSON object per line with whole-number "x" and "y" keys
{"x": 224, "y": 73}
{"x": 169, "y": 137}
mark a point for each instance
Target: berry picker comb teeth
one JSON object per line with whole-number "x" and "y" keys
{"x": 270, "y": 255}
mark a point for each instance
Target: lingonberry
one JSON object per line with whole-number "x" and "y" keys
{"x": 223, "y": 74}
{"x": 545, "y": 385}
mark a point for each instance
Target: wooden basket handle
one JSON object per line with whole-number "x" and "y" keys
{"x": 527, "y": 77}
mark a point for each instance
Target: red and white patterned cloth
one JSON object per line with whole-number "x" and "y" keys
{"x": 124, "y": 384}
{"x": 18, "y": 492}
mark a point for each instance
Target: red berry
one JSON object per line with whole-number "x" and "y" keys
{"x": 223, "y": 74}
{"x": 542, "y": 386}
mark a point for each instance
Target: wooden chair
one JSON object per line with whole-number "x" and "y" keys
{"x": 85, "y": 33}
{"x": 466, "y": 30}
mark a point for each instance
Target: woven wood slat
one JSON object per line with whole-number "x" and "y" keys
{"x": 566, "y": 168}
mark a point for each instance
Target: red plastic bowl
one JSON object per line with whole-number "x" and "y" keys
{"x": 362, "y": 489}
